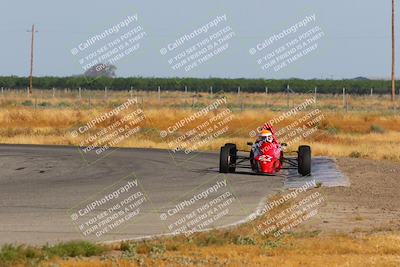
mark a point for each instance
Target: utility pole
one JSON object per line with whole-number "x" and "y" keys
{"x": 315, "y": 96}
{"x": 31, "y": 69}
{"x": 393, "y": 54}
{"x": 344, "y": 97}
{"x": 287, "y": 95}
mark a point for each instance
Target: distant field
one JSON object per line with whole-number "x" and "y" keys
{"x": 355, "y": 126}
{"x": 88, "y": 99}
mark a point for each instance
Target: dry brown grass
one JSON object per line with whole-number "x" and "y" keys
{"x": 361, "y": 132}
{"x": 375, "y": 250}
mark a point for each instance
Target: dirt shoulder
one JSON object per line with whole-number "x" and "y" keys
{"x": 371, "y": 203}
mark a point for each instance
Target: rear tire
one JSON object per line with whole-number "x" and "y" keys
{"x": 252, "y": 163}
{"x": 304, "y": 160}
{"x": 227, "y": 157}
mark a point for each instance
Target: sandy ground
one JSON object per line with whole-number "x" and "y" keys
{"x": 371, "y": 203}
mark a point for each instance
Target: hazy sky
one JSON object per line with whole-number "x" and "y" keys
{"x": 355, "y": 42}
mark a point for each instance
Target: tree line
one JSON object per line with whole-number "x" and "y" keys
{"x": 353, "y": 86}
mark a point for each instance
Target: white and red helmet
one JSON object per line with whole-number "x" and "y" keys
{"x": 266, "y": 136}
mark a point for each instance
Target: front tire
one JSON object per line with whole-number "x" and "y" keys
{"x": 227, "y": 158}
{"x": 304, "y": 160}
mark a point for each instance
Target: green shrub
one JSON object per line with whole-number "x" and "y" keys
{"x": 63, "y": 105}
{"x": 157, "y": 250}
{"x": 246, "y": 240}
{"x": 376, "y": 129}
{"x": 355, "y": 154}
{"x": 44, "y": 104}
{"x": 332, "y": 130}
{"x": 129, "y": 250}
{"x": 74, "y": 249}
{"x": 271, "y": 244}
{"x": 27, "y": 103}
{"x": 211, "y": 240}
{"x": 10, "y": 255}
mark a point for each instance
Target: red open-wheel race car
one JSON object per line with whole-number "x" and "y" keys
{"x": 266, "y": 156}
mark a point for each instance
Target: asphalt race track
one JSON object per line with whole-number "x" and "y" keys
{"x": 45, "y": 192}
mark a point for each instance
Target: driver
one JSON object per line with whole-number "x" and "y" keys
{"x": 265, "y": 136}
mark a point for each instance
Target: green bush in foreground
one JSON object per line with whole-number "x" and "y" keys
{"x": 74, "y": 249}
{"x": 11, "y": 254}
